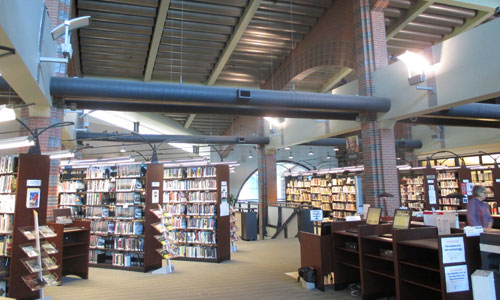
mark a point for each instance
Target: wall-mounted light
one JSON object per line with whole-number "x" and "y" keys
{"x": 287, "y": 148}
{"x": 335, "y": 149}
{"x": 250, "y": 154}
{"x": 290, "y": 156}
{"x": 61, "y": 154}
{"x": 123, "y": 149}
{"x": 17, "y": 142}
{"x": 328, "y": 156}
{"x": 7, "y": 114}
{"x": 311, "y": 153}
{"x": 417, "y": 66}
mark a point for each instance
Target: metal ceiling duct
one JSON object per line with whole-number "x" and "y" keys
{"x": 158, "y": 138}
{"x": 474, "y": 111}
{"x": 209, "y": 96}
{"x": 400, "y": 143}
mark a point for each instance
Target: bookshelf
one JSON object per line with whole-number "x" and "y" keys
{"x": 31, "y": 190}
{"x": 72, "y": 243}
{"x": 335, "y": 194}
{"x": 191, "y": 202}
{"x": 421, "y": 267}
{"x": 412, "y": 191}
{"x": 487, "y": 178}
{"x": 113, "y": 199}
{"x": 449, "y": 182}
{"x": 345, "y": 253}
{"x": 8, "y": 179}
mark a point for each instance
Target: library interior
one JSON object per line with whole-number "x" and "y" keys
{"x": 244, "y": 149}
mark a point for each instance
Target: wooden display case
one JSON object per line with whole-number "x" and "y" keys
{"x": 72, "y": 243}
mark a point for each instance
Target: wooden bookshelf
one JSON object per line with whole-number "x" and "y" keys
{"x": 419, "y": 268}
{"x": 72, "y": 243}
{"x": 345, "y": 253}
{"x": 335, "y": 194}
{"x": 376, "y": 262}
{"x": 192, "y": 201}
{"x": 32, "y": 172}
{"x": 411, "y": 187}
{"x": 114, "y": 200}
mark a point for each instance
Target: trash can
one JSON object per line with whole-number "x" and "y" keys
{"x": 307, "y": 277}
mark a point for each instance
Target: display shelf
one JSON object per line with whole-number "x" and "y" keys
{"x": 191, "y": 224}
{"x": 114, "y": 200}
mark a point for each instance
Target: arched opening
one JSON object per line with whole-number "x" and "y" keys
{"x": 249, "y": 191}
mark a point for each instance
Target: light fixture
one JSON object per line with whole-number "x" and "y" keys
{"x": 250, "y": 154}
{"x": 311, "y": 153}
{"x": 123, "y": 149}
{"x": 7, "y": 114}
{"x": 276, "y": 122}
{"x": 417, "y": 65}
{"x": 61, "y": 154}
{"x": 290, "y": 156}
{"x": 328, "y": 156}
{"x": 17, "y": 142}
{"x": 287, "y": 148}
{"x": 335, "y": 149}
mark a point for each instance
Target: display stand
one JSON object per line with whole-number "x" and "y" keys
{"x": 31, "y": 195}
{"x": 165, "y": 241}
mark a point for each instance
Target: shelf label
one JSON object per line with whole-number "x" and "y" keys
{"x": 430, "y": 181}
{"x": 457, "y": 279}
{"x": 453, "y": 249}
{"x": 155, "y": 184}
{"x": 224, "y": 209}
{"x": 223, "y": 189}
{"x": 155, "y": 196}
{"x": 316, "y": 215}
{"x": 497, "y": 180}
{"x": 33, "y": 182}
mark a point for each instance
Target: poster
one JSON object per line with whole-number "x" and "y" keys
{"x": 33, "y": 198}
{"x": 224, "y": 209}
{"x": 453, "y": 249}
{"x": 457, "y": 279}
{"x": 432, "y": 196}
{"x": 352, "y": 144}
{"x": 223, "y": 189}
{"x": 155, "y": 196}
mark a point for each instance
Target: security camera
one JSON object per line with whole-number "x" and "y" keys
{"x": 65, "y": 28}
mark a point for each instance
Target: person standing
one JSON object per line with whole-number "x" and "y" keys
{"x": 478, "y": 212}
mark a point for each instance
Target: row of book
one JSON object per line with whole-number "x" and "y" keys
{"x": 101, "y": 172}
{"x": 6, "y": 223}
{"x": 7, "y": 183}
{"x": 8, "y": 164}
{"x": 99, "y": 198}
{"x": 189, "y": 196}
{"x": 71, "y": 186}
{"x": 131, "y": 171}
{"x": 71, "y": 199}
{"x": 117, "y": 227}
{"x": 7, "y": 203}
{"x": 176, "y": 185}
{"x": 5, "y": 245}
{"x": 195, "y": 172}
{"x": 192, "y": 251}
{"x": 100, "y": 186}
{"x": 117, "y": 243}
{"x": 128, "y": 184}
{"x": 116, "y": 259}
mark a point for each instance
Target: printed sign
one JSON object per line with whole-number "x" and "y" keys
{"x": 33, "y": 198}
{"x": 155, "y": 195}
{"x": 316, "y": 215}
{"x": 223, "y": 189}
{"x": 453, "y": 249}
{"x": 155, "y": 184}
{"x": 33, "y": 182}
{"x": 456, "y": 278}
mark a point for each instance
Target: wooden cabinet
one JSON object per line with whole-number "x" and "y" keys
{"x": 315, "y": 252}
{"x": 72, "y": 243}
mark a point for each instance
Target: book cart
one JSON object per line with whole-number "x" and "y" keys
{"x": 114, "y": 199}
{"x": 31, "y": 262}
{"x": 195, "y": 201}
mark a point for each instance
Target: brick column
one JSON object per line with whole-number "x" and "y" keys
{"x": 50, "y": 140}
{"x": 379, "y": 153}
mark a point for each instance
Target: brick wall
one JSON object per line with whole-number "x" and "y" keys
{"x": 379, "y": 153}
{"x": 329, "y": 43}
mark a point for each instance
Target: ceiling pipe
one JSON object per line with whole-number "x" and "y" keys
{"x": 400, "y": 143}
{"x": 239, "y": 111}
{"x": 158, "y": 138}
{"x": 473, "y": 111}
{"x": 209, "y": 96}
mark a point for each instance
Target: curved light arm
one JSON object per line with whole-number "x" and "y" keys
{"x": 444, "y": 151}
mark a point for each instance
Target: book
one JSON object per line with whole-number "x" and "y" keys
{"x": 30, "y": 250}
{"x": 32, "y": 265}
{"x": 50, "y": 279}
{"x": 48, "y": 263}
{"x": 46, "y": 232}
{"x": 48, "y": 248}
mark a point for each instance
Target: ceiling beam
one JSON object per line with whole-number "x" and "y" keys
{"x": 189, "y": 120}
{"x": 451, "y": 122}
{"x": 335, "y": 79}
{"x": 481, "y": 5}
{"x": 480, "y": 17}
{"x": 413, "y": 12}
{"x": 235, "y": 38}
{"x": 161, "y": 17}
